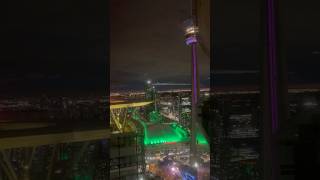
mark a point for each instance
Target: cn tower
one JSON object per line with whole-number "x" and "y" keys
{"x": 191, "y": 32}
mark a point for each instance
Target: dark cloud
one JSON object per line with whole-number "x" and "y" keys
{"x": 147, "y": 42}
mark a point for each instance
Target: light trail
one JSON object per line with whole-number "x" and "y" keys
{"x": 128, "y": 105}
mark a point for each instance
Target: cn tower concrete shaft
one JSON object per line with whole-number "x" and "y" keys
{"x": 195, "y": 99}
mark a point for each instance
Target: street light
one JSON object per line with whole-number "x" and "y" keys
{"x": 141, "y": 177}
{"x": 174, "y": 169}
{"x": 196, "y": 165}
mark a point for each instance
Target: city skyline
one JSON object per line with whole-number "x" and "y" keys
{"x": 161, "y": 89}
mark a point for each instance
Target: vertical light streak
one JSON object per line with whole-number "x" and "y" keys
{"x": 272, "y": 66}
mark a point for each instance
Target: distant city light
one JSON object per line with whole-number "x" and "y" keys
{"x": 174, "y": 169}
{"x": 310, "y": 104}
{"x": 196, "y": 165}
{"x": 148, "y": 81}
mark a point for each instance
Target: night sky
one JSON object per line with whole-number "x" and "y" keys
{"x": 147, "y": 41}
{"x": 62, "y": 46}
{"x": 54, "y": 47}
{"x": 237, "y": 28}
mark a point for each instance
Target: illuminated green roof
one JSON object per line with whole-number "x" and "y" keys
{"x": 201, "y": 139}
{"x": 159, "y": 133}
{"x": 165, "y": 133}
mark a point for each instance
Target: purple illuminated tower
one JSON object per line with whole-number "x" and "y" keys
{"x": 274, "y": 91}
{"x": 191, "y": 31}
